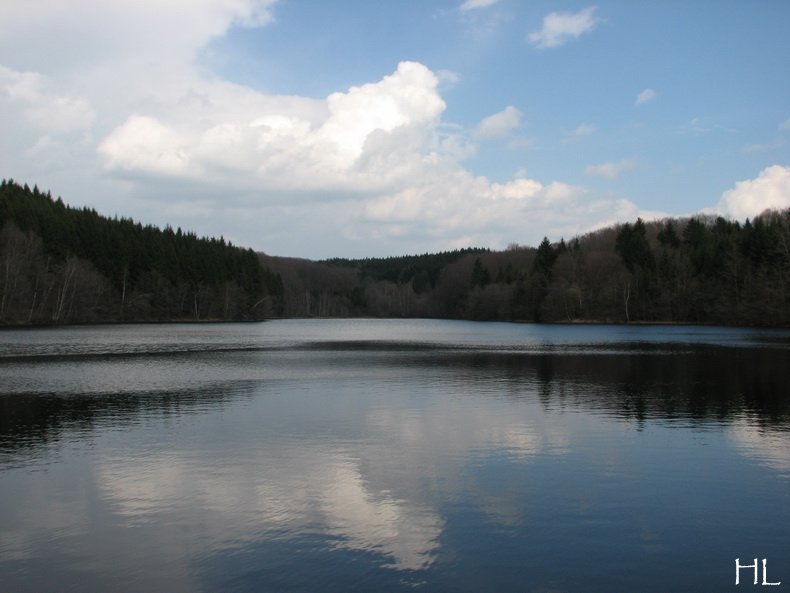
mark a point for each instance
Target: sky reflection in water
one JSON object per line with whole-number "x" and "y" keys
{"x": 381, "y": 455}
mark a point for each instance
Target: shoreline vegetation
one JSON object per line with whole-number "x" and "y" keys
{"x": 61, "y": 265}
{"x": 186, "y": 321}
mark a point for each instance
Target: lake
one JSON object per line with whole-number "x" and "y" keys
{"x": 393, "y": 455}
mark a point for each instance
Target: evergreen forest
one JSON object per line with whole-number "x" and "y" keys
{"x": 66, "y": 265}
{"x": 60, "y": 264}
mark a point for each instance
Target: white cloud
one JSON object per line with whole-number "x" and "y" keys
{"x": 518, "y": 189}
{"x": 283, "y": 143}
{"x": 90, "y": 32}
{"x": 579, "y": 132}
{"x": 407, "y": 97}
{"x": 645, "y": 96}
{"x": 611, "y": 170}
{"x": 499, "y": 124}
{"x": 785, "y": 125}
{"x": 145, "y": 144}
{"x": 456, "y": 205}
{"x": 475, "y": 4}
{"x": 561, "y": 27}
{"x": 126, "y": 120}
{"x": 448, "y": 78}
{"x": 771, "y": 189}
{"x": 46, "y": 110}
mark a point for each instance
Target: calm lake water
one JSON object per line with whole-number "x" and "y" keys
{"x": 385, "y": 455}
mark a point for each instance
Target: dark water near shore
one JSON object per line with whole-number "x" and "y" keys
{"x": 384, "y": 455}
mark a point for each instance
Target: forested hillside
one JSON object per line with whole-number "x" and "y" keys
{"x": 699, "y": 270}
{"x": 65, "y": 265}
{"x": 381, "y": 287}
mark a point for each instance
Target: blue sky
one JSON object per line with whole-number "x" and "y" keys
{"x": 321, "y": 129}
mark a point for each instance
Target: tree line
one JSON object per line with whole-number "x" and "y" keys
{"x": 60, "y": 264}
{"x": 703, "y": 269}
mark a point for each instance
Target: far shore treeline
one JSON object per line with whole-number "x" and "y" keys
{"x": 60, "y": 264}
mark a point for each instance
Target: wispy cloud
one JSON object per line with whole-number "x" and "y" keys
{"x": 611, "y": 170}
{"x": 645, "y": 96}
{"x": 765, "y": 147}
{"x": 777, "y": 142}
{"x": 499, "y": 124}
{"x": 448, "y": 78}
{"x": 468, "y": 5}
{"x": 700, "y": 125}
{"x": 561, "y": 27}
{"x": 581, "y": 131}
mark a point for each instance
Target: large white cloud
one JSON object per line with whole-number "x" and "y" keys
{"x": 771, "y": 189}
{"x": 50, "y": 36}
{"x": 289, "y": 143}
{"x": 381, "y": 144}
{"x": 43, "y": 108}
{"x": 126, "y": 119}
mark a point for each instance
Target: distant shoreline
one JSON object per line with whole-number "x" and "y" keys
{"x": 575, "y": 322}
{"x": 63, "y": 266}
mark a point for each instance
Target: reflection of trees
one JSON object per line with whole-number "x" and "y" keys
{"x": 34, "y": 420}
{"x": 644, "y": 382}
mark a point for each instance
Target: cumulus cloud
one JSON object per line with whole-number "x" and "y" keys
{"x": 456, "y": 209}
{"x": 145, "y": 144}
{"x": 382, "y": 142}
{"x": 771, "y": 189}
{"x": 611, "y": 170}
{"x": 561, "y": 27}
{"x": 45, "y": 109}
{"x": 407, "y": 97}
{"x": 90, "y": 32}
{"x": 499, "y": 124}
{"x": 113, "y": 62}
{"x": 284, "y": 143}
{"x": 127, "y": 119}
{"x": 645, "y": 96}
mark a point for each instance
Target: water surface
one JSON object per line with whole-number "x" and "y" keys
{"x": 392, "y": 455}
